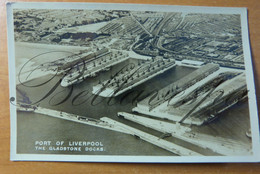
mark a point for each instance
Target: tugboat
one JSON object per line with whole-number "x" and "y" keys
{"x": 24, "y": 104}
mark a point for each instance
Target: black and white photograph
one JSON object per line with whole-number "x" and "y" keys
{"x": 131, "y": 83}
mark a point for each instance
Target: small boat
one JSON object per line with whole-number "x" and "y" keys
{"x": 249, "y": 134}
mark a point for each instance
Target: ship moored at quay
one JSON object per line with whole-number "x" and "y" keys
{"x": 133, "y": 76}
{"x": 79, "y": 69}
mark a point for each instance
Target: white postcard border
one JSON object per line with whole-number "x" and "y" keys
{"x": 109, "y": 158}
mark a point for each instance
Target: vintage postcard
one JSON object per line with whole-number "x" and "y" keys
{"x": 100, "y": 82}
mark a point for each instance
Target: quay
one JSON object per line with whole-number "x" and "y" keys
{"x": 198, "y": 103}
{"x": 110, "y": 124}
{"x": 173, "y": 89}
{"x": 220, "y": 145}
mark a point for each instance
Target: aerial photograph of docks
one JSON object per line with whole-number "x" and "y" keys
{"x": 143, "y": 83}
